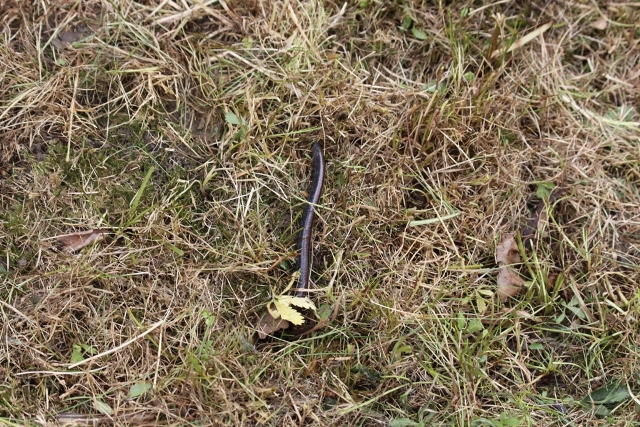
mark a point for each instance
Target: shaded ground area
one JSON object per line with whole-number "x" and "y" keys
{"x": 478, "y": 235}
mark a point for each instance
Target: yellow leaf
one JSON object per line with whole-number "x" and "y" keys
{"x": 298, "y": 302}
{"x": 273, "y": 311}
{"x": 283, "y": 307}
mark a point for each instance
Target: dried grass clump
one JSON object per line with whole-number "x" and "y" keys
{"x": 181, "y": 131}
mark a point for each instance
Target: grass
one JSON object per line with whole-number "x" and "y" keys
{"x": 185, "y": 128}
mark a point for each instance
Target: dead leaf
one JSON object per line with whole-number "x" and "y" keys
{"x": 75, "y": 241}
{"x": 535, "y": 222}
{"x": 268, "y": 325}
{"x": 526, "y": 315}
{"x": 507, "y": 251}
{"x": 600, "y": 23}
{"x": 509, "y": 283}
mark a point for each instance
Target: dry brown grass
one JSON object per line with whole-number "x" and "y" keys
{"x": 434, "y": 151}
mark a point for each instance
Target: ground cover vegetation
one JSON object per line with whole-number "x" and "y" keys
{"x": 476, "y": 253}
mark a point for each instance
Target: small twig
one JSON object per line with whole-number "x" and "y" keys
{"x": 18, "y": 312}
{"x": 120, "y": 347}
{"x": 60, "y": 372}
{"x": 486, "y": 6}
{"x": 523, "y": 40}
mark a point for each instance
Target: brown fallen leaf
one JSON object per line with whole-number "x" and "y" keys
{"x": 600, "y": 23}
{"x": 507, "y": 251}
{"x": 75, "y": 241}
{"x": 509, "y": 283}
{"x": 533, "y": 225}
{"x": 268, "y": 325}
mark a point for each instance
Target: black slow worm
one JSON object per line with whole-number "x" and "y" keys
{"x": 304, "y": 259}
